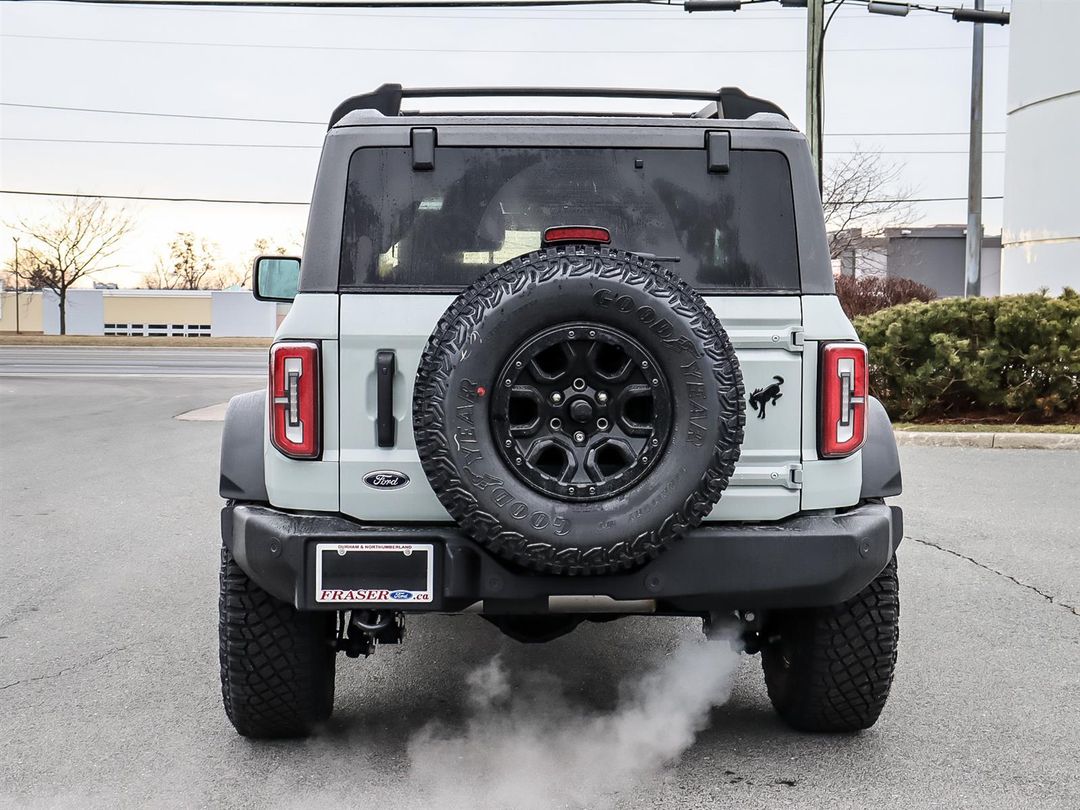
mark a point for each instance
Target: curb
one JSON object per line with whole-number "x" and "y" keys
{"x": 1004, "y": 441}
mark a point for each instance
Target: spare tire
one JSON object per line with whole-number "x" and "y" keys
{"x": 578, "y": 409}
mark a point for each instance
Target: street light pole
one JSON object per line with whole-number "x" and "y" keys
{"x": 973, "y": 243}
{"x": 17, "y": 329}
{"x": 815, "y": 35}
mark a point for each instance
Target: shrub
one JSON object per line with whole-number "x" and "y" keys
{"x": 1016, "y": 355}
{"x": 869, "y": 294}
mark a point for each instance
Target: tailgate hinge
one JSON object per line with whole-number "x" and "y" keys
{"x": 795, "y": 339}
{"x": 794, "y": 476}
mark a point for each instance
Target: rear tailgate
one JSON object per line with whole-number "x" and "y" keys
{"x": 766, "y": 332}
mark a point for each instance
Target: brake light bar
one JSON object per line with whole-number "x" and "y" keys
{"x": 577, "y": 233}
{"x": 843, "y": 376}
{"x": 294, "y": 399}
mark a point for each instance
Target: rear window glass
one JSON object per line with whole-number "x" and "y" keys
{"x": 443, "y": 228}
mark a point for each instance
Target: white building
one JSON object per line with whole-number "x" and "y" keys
{"x": 1041, "y": 227}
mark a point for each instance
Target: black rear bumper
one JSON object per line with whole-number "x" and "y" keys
{"x": 808, "y": 560}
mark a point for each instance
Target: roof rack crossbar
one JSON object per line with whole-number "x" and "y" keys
{"x": 729, "y": 101}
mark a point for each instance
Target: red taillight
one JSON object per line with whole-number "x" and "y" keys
{"x": 577, "y": 233}
{"x": 294, "y": 399}
{"x": 843, "y": 399}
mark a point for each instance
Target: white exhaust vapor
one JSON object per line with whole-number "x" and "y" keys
{"x": 529, "y": 748}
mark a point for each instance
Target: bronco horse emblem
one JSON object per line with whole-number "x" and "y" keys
{"x": 763, "y": 396}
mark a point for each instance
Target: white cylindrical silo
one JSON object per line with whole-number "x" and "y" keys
{"x": 1041, "y": 224}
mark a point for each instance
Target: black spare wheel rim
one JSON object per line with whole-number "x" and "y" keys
{"x": 614, "y": 384}
{"x": 581, "y": 411}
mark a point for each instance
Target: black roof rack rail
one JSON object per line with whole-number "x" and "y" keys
{"x": 727, "y": 102}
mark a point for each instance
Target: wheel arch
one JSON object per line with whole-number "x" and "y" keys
{"x": 881, "y": 476}
{"x": 242, "y": 476}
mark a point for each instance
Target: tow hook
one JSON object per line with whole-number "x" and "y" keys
{"x": 369, "y": 628}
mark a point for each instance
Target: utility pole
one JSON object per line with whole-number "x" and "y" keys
{"x": 973, "y": 244}
{"x": 815, "y": 36}
{"x": 17, "y": 329}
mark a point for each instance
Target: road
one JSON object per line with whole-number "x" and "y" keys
{"x": 108, "y": 666}
{"x": 87, "y": 361}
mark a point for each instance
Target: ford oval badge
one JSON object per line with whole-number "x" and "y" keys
{"x": 386, "y": 479}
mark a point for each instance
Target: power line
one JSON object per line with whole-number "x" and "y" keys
{"x": 318, "y": 146}
{"x": 356, "y": 49}
{"x": 164, "y": 143}
{"x": 163, "y": 114}
{"x": 674, "y": 12}
{"x": 242, "y": 119}
{"x": 372, "y": 3}
{"x": 147, "y": 198}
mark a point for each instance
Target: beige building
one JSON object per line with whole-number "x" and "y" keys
{"x": 174, "y": 313}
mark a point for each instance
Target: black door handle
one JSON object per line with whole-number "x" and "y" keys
{"x": 385, "y": 424}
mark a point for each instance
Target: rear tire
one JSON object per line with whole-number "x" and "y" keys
{"x": 830, "y": 669}
{"x": 277, "y": 664}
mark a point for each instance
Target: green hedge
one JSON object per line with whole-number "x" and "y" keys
{"x": 1017, "y": 355}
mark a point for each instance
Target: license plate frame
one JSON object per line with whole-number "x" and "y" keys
{"x": 396, "y": 573}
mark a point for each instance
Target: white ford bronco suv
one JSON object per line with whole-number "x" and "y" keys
{"x": 551, "y": 368}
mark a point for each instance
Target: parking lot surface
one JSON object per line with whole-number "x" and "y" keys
{"x": 108, "y": 664}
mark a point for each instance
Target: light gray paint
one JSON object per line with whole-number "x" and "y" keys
{"x": 935, "y": 257}
{"x": 236, "y": 313}
{"x": 85, "y": 312}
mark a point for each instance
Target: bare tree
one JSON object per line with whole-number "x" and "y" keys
{"x": 78, "y": 240}
{"x": 861, "y": 196}
{"x": 190, "y": 265}
{"x": 239, "y": 275}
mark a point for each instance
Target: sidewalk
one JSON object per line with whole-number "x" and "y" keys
{"x": 1010, "y": 441}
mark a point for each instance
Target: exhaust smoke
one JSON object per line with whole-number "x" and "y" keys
{"x": 528, "y": 747}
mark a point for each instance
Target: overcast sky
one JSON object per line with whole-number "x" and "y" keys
{"x": 885, "y": 76}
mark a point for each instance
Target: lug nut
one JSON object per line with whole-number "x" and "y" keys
{"x": 556, "y": 397}
{"x": 602, "y": 397}
{"x": 579, "y": 437}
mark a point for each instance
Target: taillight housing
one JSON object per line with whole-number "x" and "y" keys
{"x": 843, "y": 378}
{"x": 294, "y": 399}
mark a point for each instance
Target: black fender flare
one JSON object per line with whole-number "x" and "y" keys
{"x": 880, "y": 459}
{"x": 242, "y": 477}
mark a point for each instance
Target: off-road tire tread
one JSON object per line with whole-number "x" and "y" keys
{"x": 432, "y": 394}
{"x": 843, "y": 660}
{"x": 277, "y": 664}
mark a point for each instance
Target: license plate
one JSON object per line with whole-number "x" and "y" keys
{"x": 385, "y": 573}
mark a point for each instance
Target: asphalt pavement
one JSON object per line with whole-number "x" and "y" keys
{"x": 108, "y": 651}
{"x": 127, "y": 361}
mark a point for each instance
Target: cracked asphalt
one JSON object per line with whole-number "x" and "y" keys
{"x": 108, "y": 669}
